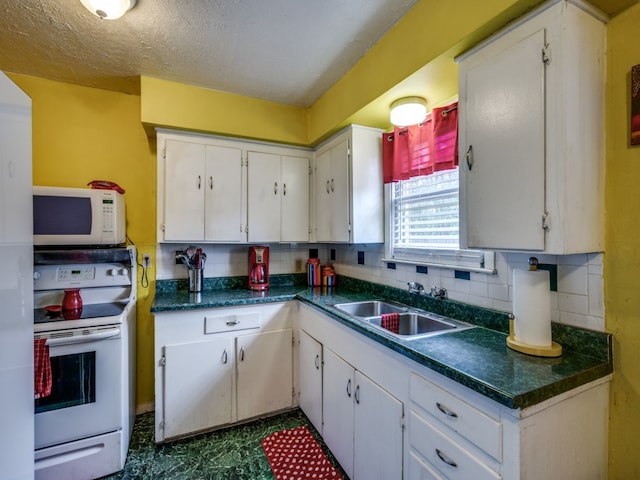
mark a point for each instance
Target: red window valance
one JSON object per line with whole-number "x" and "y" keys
{"x": 422, "y": 149}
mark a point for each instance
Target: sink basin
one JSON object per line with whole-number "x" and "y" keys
{"x": 369, "y": 308}
{"x": 412, "y": 324}
{"x": 418, "y": 324}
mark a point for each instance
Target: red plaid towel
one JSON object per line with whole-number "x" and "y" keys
{"x": 294, "y": 454}
{"x": 42, "y": 368}
{"x": 391, "y": 322}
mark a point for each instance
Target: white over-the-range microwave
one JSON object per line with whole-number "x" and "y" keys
{"x": 78, "y": 216}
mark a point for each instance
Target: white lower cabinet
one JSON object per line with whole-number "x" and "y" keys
{"x": 215, "y": 367}
{"x": 310, "y": 390}
{"x": 362, "y": 422}
{"x": 452, "y": 432}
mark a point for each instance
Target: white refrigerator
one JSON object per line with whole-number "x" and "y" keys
{"x": 16, "y": 284}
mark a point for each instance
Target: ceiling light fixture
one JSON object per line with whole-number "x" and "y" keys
{"x": 109, "y": 9}
{"x": 408, "y": 111}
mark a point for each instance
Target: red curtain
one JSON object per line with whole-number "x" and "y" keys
{"x": 422, "y": 149}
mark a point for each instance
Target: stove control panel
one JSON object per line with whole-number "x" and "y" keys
{"x": 56, "y": 277}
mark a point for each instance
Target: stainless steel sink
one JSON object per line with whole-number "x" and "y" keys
{"x": 369, "y": 308}
{"x": 413, "y": 323}
{"x": 419, "y": 325}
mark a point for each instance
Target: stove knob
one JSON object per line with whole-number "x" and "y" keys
{"x": 123, "y": 271}
{"x": 112, "y": 272}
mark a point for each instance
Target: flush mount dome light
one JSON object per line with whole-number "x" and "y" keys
{"x": 109, "y": 9}
{"x": 408, "y": 111}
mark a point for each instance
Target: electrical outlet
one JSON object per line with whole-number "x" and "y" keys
{"x": 146, "y": 260}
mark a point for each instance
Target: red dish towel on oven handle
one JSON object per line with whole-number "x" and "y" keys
{"x": 42, "y": 368}
{"x": 390, "y": 321}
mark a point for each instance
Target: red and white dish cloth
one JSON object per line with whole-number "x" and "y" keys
{"x": 294, "y": 454}
{"x": 42, "y": 368}
{"x": 391, "y": 322}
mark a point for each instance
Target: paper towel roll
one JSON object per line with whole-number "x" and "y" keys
{"x": 532, "y": 307}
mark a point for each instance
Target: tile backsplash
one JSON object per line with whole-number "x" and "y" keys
{"x": 578, "y": 301}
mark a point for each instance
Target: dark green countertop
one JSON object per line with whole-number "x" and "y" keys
{"x": 477, "y": 358}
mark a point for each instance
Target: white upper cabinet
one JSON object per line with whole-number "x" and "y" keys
{"x": 278, "y": 192}
{"x": 531, "y": 140}
{"x": 219, "y": 190}
{"x": 348, "y": 189}
{"x": 200, "y": 191}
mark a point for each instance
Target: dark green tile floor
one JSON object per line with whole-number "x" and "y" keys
{"x": 231, "y": 454}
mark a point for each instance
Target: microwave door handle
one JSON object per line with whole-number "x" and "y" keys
{"x": 104, "y": 335}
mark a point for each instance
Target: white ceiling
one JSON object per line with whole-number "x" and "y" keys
{"x": 287, "y": 51}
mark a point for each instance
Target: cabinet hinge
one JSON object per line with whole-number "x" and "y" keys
{"x": 164, "y": 152}
{"x": 403, "y": 422}
{"x": 546, "y": 55}
{"x": 310, "y": 170}
{"x": 246, "y": 229}
{"x": 546, "y": 222}
{"x": 163, "y": 361}
{"x": 162, "y": 227}
{"x": 293, "y": 341}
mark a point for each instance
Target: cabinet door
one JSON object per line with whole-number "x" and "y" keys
{"x": 223, "y": 197}
{"x": 310, "y": 361}
{"x": 264, "y": 190}
{"x": 340, "y": 192}
{"x": 504, "y": 137}
{"x": 295, "y": 199}
{"x": 377, "y": 432}
{"x": 184, "y": 191}
{"x": 337, "y": 403}
{"x": 265, "y": 373}
{"x": 323, "y": 205}
{"x": 198, "y": 380}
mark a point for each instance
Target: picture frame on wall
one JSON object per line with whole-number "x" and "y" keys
{"x": 635, "y": 105}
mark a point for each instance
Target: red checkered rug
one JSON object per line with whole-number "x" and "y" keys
{"x": 294, "y": 454}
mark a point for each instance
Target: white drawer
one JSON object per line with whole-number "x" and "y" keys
{"x": 447, "y": 456}
{"x": 475, "y": 425}
{"x": 230, "y": 322}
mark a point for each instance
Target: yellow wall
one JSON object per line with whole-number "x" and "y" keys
{"x": 622, "y": 258}
{"x": 82, "y": 134}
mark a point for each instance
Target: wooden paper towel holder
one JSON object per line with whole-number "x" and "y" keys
{"x": 553, "y": 350}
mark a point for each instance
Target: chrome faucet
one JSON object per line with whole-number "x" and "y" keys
{"x": 438, "y": 292}
{"x": 416, "y": 288}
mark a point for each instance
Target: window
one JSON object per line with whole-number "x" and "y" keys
{"x": 423, "y": 224}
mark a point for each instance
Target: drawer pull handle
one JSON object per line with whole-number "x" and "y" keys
{"x": 357, "y": 394}
{"x": 242, "y": 354}
{"x": 232, "y": 323}
{"x": 446, "y": 459}
{"x": 447, "y": 411}
{"x": 349, "y": 388}
{"x": 317, "y": 362}
{"x": 224, "y": 356}
{"x": 328, "y": 191}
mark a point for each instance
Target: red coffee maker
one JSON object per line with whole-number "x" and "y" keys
{"x": 258, "y": 268}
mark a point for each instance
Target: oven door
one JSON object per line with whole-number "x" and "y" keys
{"x": 86, "y": 393}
